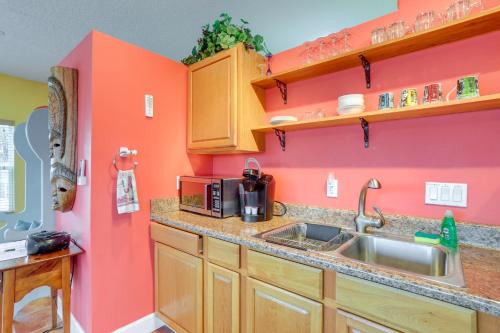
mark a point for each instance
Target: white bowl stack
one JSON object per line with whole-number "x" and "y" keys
{"x": 351, "y": 104}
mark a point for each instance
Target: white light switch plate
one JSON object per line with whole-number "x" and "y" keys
{"x": 148, "y": 105}
{"x": 446, "y": 194}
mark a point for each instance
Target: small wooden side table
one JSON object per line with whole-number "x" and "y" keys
{"x": 22, "y": 275}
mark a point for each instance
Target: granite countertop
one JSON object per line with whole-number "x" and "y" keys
{"x": 481, "y": 265}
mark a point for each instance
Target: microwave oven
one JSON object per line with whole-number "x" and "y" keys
{"x": 210, "y": 195}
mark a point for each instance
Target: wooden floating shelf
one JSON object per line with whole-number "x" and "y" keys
{"x": 438, "y": 109}
{"x": 474, "y": 25}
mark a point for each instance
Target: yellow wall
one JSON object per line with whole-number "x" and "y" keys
{"x": 18, "y": 97}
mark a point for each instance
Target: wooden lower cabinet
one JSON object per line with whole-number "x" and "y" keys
{"x": 222, "y": 290}
{"x": 223, "y": 300}
{"x": 400, "y": 309}
{"x": 299, "y": 278}
{"x": 349, "y": 323}
{"x": 271, "y": 309}
{"x": 179, "y": 289}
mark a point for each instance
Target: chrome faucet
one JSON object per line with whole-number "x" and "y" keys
{"x": 361, "y": 220}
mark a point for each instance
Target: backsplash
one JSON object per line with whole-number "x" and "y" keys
{"x": 468, "y": 233}
{"x": 164, "y": 205}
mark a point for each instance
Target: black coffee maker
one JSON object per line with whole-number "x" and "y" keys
{"x": 256, "y": 194}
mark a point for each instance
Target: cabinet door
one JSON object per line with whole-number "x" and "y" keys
{"x": 273, "y": 310}
{"x": 223, "y": 301}
{"x": 401, "y": 309}
{"x": 179, "y": 288}
{"x": 349, "y": 323}
{"x": 212, "y": 102}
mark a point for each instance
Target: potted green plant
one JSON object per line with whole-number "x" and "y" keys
{"x": 222, "y": 35}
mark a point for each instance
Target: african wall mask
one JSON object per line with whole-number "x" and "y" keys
{"x": 63, "y": 118}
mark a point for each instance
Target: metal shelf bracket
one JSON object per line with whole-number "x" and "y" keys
{"x": 367, "y": 68}
{"x": 283, "y": 89}
{"x": 366, "y": 128}
{"x": 281, "y": 137}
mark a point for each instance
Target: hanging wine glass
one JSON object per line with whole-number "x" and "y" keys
{"x": 333, "y": 44}
{"x": 307, "y": 53}
{"x": 315, "y": 51}
{"x": 323, "y": 48}
{"x": 268, "y": 62}
{"x": 346, "y": 47}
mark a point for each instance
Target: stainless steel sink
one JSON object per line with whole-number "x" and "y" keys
{"x": 307, "y": 236}
{"x": 432, "y": 262}
{"x": 436, "y": 263}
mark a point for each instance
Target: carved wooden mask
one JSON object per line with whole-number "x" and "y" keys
{"x": 63, "y": 117}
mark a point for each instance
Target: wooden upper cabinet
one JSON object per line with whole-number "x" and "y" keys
{"x": 213, "y": 102}
{"x": 223, "y": 106}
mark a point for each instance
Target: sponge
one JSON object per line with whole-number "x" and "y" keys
{"x": 423, "y": 237}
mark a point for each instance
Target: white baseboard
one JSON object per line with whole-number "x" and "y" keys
{"x": 145, "y": 324}
{"x": 75, "y": 326}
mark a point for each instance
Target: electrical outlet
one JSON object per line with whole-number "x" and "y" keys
{"x": 332, "y": 190}
{"x": 446, "y": 194}
{"x": 332, "y": 186}
{"x": 148, "y": 106}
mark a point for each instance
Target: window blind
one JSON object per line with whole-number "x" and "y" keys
{"x": 7, "y": 187}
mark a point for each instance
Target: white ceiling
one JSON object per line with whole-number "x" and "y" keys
{"x": 39, "y": 33}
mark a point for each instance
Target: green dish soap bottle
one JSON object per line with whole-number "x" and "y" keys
{"x": 449, "y": 231}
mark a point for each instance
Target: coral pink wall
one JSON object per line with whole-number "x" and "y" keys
{"x": 402, "y": 154}
{"x": 78, "y": 221}
{"x": 113, "y": 284}
{"x": 122, "y": 272}
{"x": 118, "y": 277}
